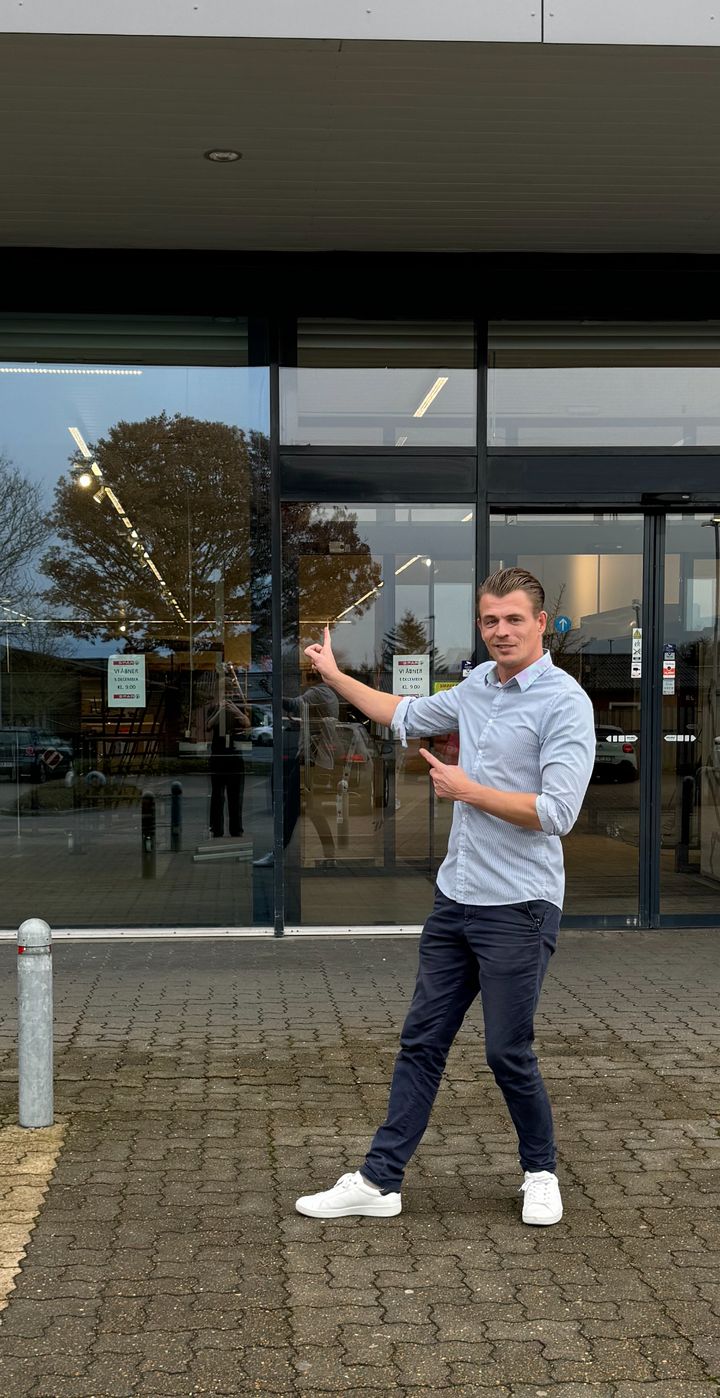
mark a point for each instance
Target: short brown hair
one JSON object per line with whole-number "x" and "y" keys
{"x": 509, "y": 580}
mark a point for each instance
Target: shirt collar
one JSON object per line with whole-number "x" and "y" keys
{"x": 526, "y": 677}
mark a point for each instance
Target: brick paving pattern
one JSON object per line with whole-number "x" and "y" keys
{"x": 205, "y": 1085}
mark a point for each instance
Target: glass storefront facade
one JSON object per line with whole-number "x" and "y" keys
{"x": 181, "y": 512}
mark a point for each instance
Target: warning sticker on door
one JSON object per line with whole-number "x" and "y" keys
{"x": 669, "y": 669}
{"x": 636, "y": 654}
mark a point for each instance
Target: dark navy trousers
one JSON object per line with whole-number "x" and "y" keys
{"x": 502, "y": 953}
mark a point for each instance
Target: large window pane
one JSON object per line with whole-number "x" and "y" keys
{"x": 384, "y": 384}
{"x": 134, "y": 606}
{"x": 364, "y": 835}
{"x": 615, "y": 385}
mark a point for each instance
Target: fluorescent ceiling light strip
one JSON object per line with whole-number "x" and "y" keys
{"x": 414, "y": 559}
{"x": 112, "y": 497}
{"x": 430, "y": 397}
{"x": 359, "y": 600}
{"x": 80, "y": 442}
{"x": 16, "y": 615}
{"x": 129, "y": 621}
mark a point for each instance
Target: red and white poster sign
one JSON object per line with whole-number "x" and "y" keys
{"x": 411, "y": 675}
{"x": 126, "y": 682}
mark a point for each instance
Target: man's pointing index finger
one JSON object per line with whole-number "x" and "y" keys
{"x": 434, "y": 761}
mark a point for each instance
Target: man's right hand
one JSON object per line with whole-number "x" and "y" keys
{"x": 378, "y": 706}
{"x": 323, "y": 659}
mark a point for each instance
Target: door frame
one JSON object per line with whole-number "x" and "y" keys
{"x": 649, "y": 913}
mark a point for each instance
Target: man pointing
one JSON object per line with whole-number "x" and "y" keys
{"x": 527, "y": 749}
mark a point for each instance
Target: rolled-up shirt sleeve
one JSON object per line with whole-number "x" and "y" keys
{"x": 422, "y": 718}
{"x": 567, "y": 757}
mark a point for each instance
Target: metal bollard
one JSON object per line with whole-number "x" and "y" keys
{"x": 176, "y": 816}
{"x": 35, "y": 1024}
{"x": 342, "y": 814}
{"x": 148, "y": 835}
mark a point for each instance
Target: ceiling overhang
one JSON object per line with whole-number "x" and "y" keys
{"x": 373, "y": 146}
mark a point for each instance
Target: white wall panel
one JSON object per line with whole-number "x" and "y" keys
{"x": 670, "y": 22}
{"x": 489, "y": 21}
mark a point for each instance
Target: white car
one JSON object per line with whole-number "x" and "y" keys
{"x": 262, "y": 733}
{"x": 616, "y": 757}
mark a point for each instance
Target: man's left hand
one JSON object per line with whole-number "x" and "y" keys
{"x": 450, "y": 782}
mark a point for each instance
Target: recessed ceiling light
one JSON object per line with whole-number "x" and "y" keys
{"x": 223, "y": 157}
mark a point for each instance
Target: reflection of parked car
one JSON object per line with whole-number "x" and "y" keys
{"x": 33, "y": 754}
{"x": 262, "y": 730}
{"x": 262, "y": 733}
{"x": 615, "y": 755}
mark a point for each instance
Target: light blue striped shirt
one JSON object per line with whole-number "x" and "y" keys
{"x": 535, "y": 733}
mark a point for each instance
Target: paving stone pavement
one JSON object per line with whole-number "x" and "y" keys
{"x": 206, "y": 1084}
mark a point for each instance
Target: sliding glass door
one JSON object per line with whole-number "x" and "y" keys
{"x": 690, "y": 738}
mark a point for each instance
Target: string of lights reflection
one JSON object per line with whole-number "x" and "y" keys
{"x": 112, "y": 621}
{"x": 87, "y": 476}
{"x": 38, "y": 369}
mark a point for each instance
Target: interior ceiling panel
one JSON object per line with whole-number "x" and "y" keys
{"x": 372, "y": 146}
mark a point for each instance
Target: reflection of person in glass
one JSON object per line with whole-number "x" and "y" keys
{"x": 527, "y": 750}
{"x": 318, "y": 709}
{"x": 308, "y": 747}
{"x": 227, "y": 722}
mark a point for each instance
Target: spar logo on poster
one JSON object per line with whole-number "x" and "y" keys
{"x": 126, "y": 682}
{"x": 411, "y": 675}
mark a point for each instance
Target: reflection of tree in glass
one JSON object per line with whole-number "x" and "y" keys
{"x": 327, "y": 567}
{"x": 184, "y": 485}
{"x": 22, "y": 534}
{"x": 410, "y": 637}
{"x": 560, "y": 643}
{"x": 197, "y": 495}
{"x": 40, "y": 687}
{"x": 35, "y": 687}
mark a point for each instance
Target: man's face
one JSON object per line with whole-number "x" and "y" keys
{"x": 511, "y": 630}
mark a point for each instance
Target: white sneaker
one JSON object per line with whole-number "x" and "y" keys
{"x": 542, "y": 1202}
{"x": 351, "y": 1195}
